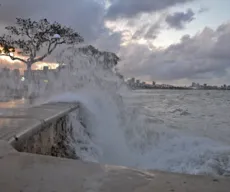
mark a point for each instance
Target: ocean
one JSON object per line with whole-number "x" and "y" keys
{"x": 168, "y": 130}
{"x": 182, "y": 131}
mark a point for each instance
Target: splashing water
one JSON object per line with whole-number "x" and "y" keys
{"x": 119, "y": 133}
{"x": 123, "y": 137}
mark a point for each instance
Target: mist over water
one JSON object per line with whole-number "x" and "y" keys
{"x": 150, "y": 130}
{"x": 192, "y": 129}
{"x": 178, "y": 131}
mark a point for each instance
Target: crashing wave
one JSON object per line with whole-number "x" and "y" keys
{"x": 114, "y": 131}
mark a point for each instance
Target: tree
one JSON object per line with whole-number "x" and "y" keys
{"x": 109, "y": 59}
{"x": 28, "y": 38}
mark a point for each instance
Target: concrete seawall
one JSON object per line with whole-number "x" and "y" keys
{"x": 41, "y": 130}
{"x": 29, "y": 137}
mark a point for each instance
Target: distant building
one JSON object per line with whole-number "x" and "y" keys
{"x": 194, "y": 84}
{"x": 43, "y": 74}
{"x": 133, "y": 80}
{"x": 45, "y": 69}
{"x": 153, "y": 83}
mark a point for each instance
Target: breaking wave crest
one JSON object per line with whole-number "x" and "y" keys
{"x": 119, "y": 129}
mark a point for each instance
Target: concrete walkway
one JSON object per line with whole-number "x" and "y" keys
{"x": 21, "y": 172}
{"x": 16, "y": 123}
{"x": 24, "y": 172}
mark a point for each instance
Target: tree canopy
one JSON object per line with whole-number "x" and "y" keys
{"x": 28, "y": 38}
{"x": 108, "y": 59}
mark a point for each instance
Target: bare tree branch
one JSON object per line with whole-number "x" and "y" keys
{"x": 50, "y": 50}
{"x": 13, "y": 58}
{"x": 33, "y": 51}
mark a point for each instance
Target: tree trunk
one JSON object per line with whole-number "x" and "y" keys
{"x": 29, "y": 80}
{"x": 29, "y": 72}
{"x": 28, "y": 65}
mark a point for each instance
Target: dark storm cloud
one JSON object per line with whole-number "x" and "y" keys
{"x": 131, "y": 8}
{"x": 10, "y": 9}
{"x": 205, "y": 55}
{"x": 179, "y": 19}
{"x": 148, "y": 28}
{"x": 148, "y": 31}
{"x": 86, "y": 16}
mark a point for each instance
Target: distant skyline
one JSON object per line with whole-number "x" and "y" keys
{"x": 158, "y": 83}
{"x": 175, "y": 42}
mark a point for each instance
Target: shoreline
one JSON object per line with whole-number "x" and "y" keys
{"x": 178, "y": 88}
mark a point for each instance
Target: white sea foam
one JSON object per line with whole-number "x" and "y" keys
{"x": 146, "y": 129}
{"x": 138, "y": 143}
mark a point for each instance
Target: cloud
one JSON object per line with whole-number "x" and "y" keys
{"x": 86, "y": 16}
{"x": 203, "y": 10}
{"x": 203, "y": 56}
{"x": 145, "y": 28}
{"x": 109, "y": 42}
{"x": 148, "y": 31}
{"x": 178, "y": 20}
{"x": 132, "y": 8}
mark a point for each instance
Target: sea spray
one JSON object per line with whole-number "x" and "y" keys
{"x": 118, "y": 132}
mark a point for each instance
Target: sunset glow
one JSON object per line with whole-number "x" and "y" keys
{"x": 6, "y": 61}
{"x": 40, "y": 65}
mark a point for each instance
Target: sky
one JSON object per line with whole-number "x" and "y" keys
{"x": 168, "y": 41}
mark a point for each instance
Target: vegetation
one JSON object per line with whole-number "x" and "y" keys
{"x": 27, "y": 39}
{"x": 32, "y": 41}
{"x": 108, "y": 59}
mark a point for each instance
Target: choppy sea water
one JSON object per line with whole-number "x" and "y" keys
{"x": 167, "y": 130}
{"x": 193, "y": 112}
{"x": 193, "y": 129}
